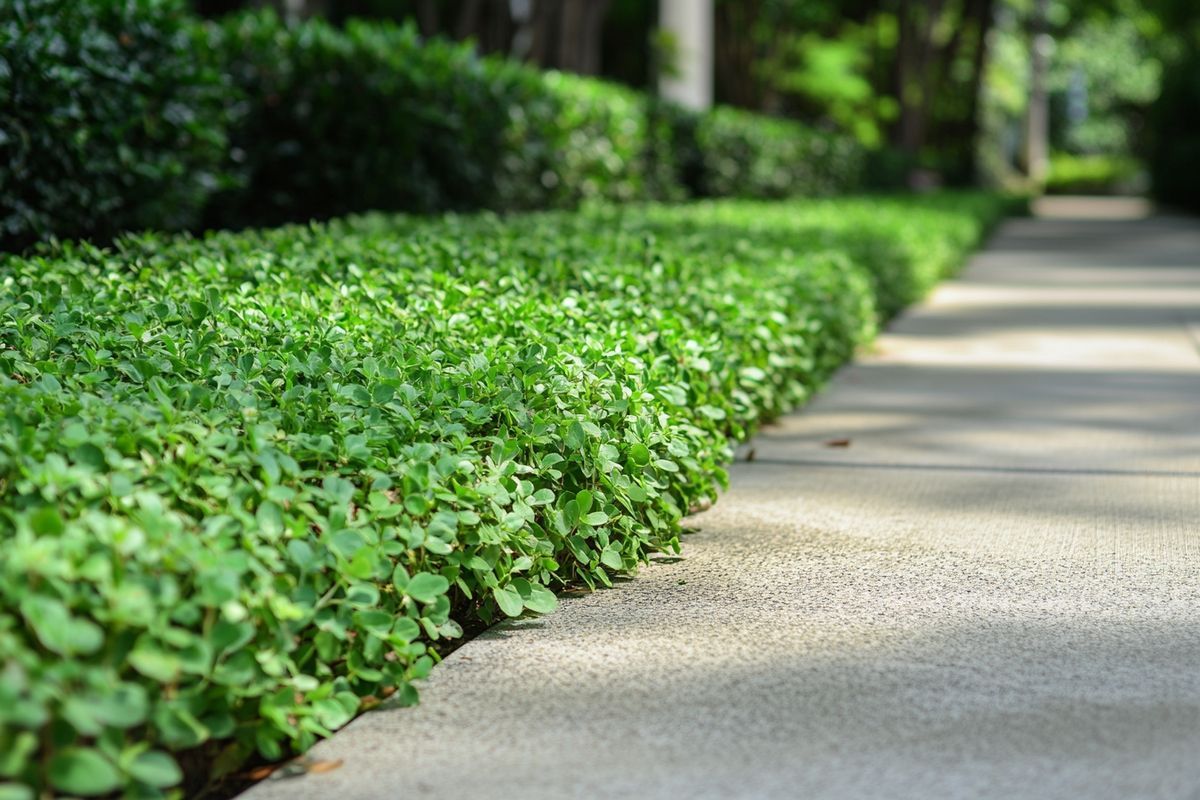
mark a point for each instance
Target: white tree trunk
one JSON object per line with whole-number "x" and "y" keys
{"x": 690, "y": 25}
{"x": 1037, "y": 119}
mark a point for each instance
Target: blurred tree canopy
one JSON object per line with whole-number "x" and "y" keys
{"x": 1118, "y": 73}
{"x": 900, "y": 73}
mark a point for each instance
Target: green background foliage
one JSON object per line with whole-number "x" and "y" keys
{"x": 112, "y": 119}
{"x": 133, "y": 115}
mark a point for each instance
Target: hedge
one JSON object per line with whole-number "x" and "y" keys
{"x": 373, "y": 118}
{"x": 248, "y": 483}
{"x": 748, "y": 155}
{"x": 133, "y": 115}
{"x": 110, "y": 121}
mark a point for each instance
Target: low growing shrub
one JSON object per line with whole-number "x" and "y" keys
{"x": 249, "y": 482}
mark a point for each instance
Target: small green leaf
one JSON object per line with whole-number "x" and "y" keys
{"x": 406, "y": 629}
{"x": 21, "y": 749}
{"x": 425, "y": 587}
{"x": 639, "y": 454}
{"x": 400, "y": 578}
{"x": 377, "y": 622}
{"x": 509, "y": 600}
{"x": 576, "y": 437}
{"x": 270, "y": 519}
{"x": 15, "y": 791}
{"x": 46, "y": 521}
{"x": 416, "y": 505}
{"x": 610, "y": 557}
{"x": 83, "y": 771}
{"x": 155, "y": 663}
{"x": 157, "y": 769}
{"x": 362, "y": 595}
{"x": 541, "y": 599}
{"x": 126, "y": 706}
{"x": 580, "y": 549}
{"x": 331, "y": 713}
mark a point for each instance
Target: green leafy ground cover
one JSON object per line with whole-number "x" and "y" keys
{"x": 249, "y": 483}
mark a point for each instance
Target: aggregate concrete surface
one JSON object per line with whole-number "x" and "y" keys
{"x": 992, "y": 592}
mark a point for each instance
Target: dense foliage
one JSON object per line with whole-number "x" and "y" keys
{"x": 247, "y": 482}
{"x": 132, "y": 115}
{"x": 110, "y": 120}
{"x": 373, "y": 118}
{"x": 747, "y": 155}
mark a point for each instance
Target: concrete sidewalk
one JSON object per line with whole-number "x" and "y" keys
{"x": 993, "y": 591}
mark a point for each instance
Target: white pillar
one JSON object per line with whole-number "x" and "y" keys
{"x": 690, "y": 25}
{"x": 1037, "y": 117}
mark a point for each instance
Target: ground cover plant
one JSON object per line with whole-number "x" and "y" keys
{"x": 248, "y": 483}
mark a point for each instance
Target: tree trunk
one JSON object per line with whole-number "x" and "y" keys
{"x": 570, "y": 34}
{"x": 296, "y": 10}
{"x": 986, "y": 10}
{"x": 735, "y": 52}
{"x": 591, "y": 36}
{"x": 540, "y": 32}
{"x": 906, "y": 70}
{"x": 468, "y": 24}
{"x": 499, "y": 29}
{"x": 1037, "y": 118}
{"x": 427, "y": 18}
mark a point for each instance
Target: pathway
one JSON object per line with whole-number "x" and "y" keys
{"x": 993, "y": 591}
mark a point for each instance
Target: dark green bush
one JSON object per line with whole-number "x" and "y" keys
{"x": 571, "y": 139}
{"x": 132, "y": 115}
{"x": 749, "y": 155}
{"x": 336, "y": 121}
{"x": 373, "y": 118}
{"x": 247, "y": 482}
{"x": 112, "y": 119}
